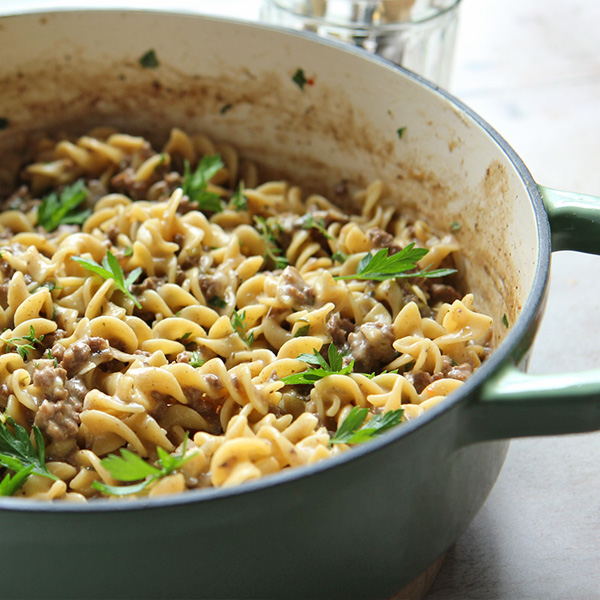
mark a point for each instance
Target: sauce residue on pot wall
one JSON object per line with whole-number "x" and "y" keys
{"x": 314, "y": 135}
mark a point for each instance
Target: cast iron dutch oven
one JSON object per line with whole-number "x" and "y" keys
{"x": 366, "y": 523}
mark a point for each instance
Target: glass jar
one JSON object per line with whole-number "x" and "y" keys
{"x": 419, "y": 35}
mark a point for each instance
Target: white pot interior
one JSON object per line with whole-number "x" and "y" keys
{"x": 78, "y": 69}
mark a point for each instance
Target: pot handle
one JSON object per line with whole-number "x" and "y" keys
{"x": 574, "y": 220}
{"x": 515, "y": 404}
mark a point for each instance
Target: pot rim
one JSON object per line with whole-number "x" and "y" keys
{"x": 531, "y": 307}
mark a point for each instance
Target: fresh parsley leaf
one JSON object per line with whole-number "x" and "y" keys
{"x": 18, "y": 454}
{"x": 310, "y": 376}
{"x": 169, "y": 463}
{"x": 128, "y": 251}
{"x": 309, "y": 222}
{"x": 149, "y": 60}
{"x": 316, "y": 359}
{"x": 336, "y": 359}
{"x": 11, "y": 483}
{"x": 354, "y": 430}
{"x": 217, "y": 302}
{"x": 131, "y": 467}
{"x": 195, "y": 184}
{"x": 122, "y": 490}
{"x": 299, "y": 78}
{"x": 239, "y": 201}
{"x": 268, "y": 230}
{"x": 110, "y": 269}
{"x": 400, "y": 132}
{"x": 58, "y": 209}
{"x": 237, "y": 321}
{"x": 505, "y": 320}
{"x": 380, "y": 266}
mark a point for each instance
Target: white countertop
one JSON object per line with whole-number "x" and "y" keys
{"x": 532, "y": 70}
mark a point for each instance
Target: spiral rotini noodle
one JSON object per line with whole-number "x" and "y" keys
{"x": 192, "y": 355}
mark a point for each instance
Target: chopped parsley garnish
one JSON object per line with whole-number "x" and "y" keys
{"x": 267, "y": 230}
{"x": 324, "y": 369}
{"x": 18, "y": 454}
{"x": 128, "y": 251}
{"x": 11, "y": 483}
{"x": 217, "y": 302}
{"x": 354, "y": 430}
{"x": 195, "y": 184}
{"x": 162, "y": 158}
{"x": 400, "y": 132}
{"x": 225, "y": 108}
{"x": 111, "y": 269}
{"x": 59, "y": 209}
{"x": 51, "y": 285}
{"x": 239, "y": 200}
{"x": 299, "y": 78}
{"x": 339, "y": 257}
{"x": 237, "y": 322}
{"x": 505, "y": 320}
{"x": 24, "y": 350}
{"x": 373, "y": 375}
{"x": 131, "y": 467}
{"x": 50, "y": 356}
{"x": 380, "y": 266}
{"x": 302, "y": 330}
{"x": 309, "y": 222}
{"x": 454, "y": 226}
{"x": 195, "y": 360}
{"x": 4, "y": 122}
{"x": 149, "y": 60}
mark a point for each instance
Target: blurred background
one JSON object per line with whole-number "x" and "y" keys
{"x": 532, "y": 70}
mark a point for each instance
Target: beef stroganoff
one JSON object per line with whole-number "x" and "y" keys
{"x": 170, "y": 322}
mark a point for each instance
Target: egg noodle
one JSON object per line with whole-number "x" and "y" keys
{"x": 182, "y": 348}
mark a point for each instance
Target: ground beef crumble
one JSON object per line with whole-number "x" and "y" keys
{"x": 371, "y": 347}
{"x": 450, "y": 370}
{"x": 293, "y": 291}
{"x": 58, "y": 414}
{"x": 382, "y": 239}
{"x": 338, "y": 328}
{"x": 439, "y": 292}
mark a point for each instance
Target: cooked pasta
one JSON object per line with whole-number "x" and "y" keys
{"x": 162, "y": 303}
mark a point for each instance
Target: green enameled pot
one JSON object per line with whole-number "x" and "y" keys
{"x": 365, "y": 524}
